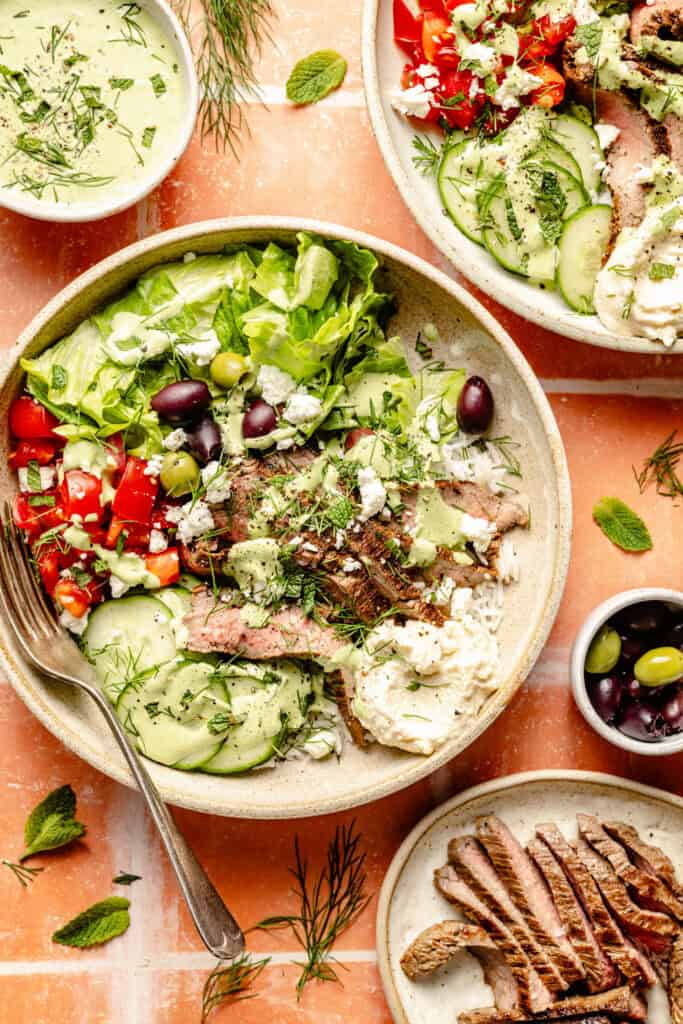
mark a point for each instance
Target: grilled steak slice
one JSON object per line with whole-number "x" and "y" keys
{"x": 618, "y": 1002}
{"x": 215, "y": 627}
{"x": 600, "y": 973}
{"x": 206, "y": 555}
{"x": 648, "y": 928}
{"x": 533, "y": 994}
{"x": 438, "y": 945}
{"x": 649, "y": 890}
{"x": 531, "y": 895}
{"x": 662, "y": 18}
{"x": 476, "y": 870}
{"x": 645, "y": 856}
{"x": 675, "y": 982}
{"x": 672, "y": 125}
{"x": 623, "y": 955}
{"x": 342, "y": 695}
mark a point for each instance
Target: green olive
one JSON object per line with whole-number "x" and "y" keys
{"x": 603, "y": 653}
{"x": 179, "y": 473}
{"x": 227, "y": 368}
{"x": 659, "y": 666}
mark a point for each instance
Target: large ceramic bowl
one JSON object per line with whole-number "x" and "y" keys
{"x": 475, "y": 340}
{"x": 382, "y": 66}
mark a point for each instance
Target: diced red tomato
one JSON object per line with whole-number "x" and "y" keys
{"x": 73, "y": 599}
{"x": 460, "y": 112}
{"x": 407, "y": 28}
{"x": 552, "y": 91}
{"x": 81, "y": 495}
{"x": 136, "y": 493}
{"x": 48, "y": 567}
{"x": 42, "y": 452}
{"x": 39, "y": 512}
{"x": 436, "y": 30}
{"x": 136, "y": 534}
{"x": 29, "y": 419}
{"x": 116, "y": 451}
{"x": 541, "y": 38}
{"x": 165, "y": 566}
{"x": 555, "y": 32}
{"x": 452, "y": 4}
{"x": 354, "y": 436}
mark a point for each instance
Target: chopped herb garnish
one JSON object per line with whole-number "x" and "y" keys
{"x": 122, "y": 84}
{"x": 41, "y": 500}
{"x": 661, "y": 271}
{"x": 33, "y": 478}
{"x": 158, "y": 84}
{"x": 125, "y": 879}
{"x": 661, "y": 468}
{"x": 148, "y": 137}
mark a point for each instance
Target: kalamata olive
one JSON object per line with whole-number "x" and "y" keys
{"x": 179, "y": 473}
{"x": 475, "y": 406}
{"x": 674, "y": 635}
{"x": 354, "y": 436}
{"x": 227, "y": 369}
{"x": 640, "y": 721}
{"x": 659, "y": 666}
{"x": 633, "y": 690}
{"x": 645, "y": 617}
{"x": 605, "y": 696}
{"x": 631, "y": 650}
{"x": 604, "y": 651}
{"x": 672, "y": 712}
{"x": 182, "y": 401}
{"x": 259, "y": 419}
{"x": 205, "y": 440}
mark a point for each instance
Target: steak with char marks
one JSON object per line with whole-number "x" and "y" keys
{"x": 647, "y": 857}
{"x": 663, "y": 18}
{"x": 618, "y": 1003}
{"x": 675, "y": 982}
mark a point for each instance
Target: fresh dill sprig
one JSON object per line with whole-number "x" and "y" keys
{"x": 21, "y": 872}
{"x": 662, "y": 468}
{"x": 225, "y": 38}
{"x": 427, "y": 156}
{"x": 229, "y": 983}
{"x": 329, "y": 903}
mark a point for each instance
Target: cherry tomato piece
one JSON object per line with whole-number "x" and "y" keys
{"x": 354, "y": 436}
{"x": 29, "y": 419}
{"x": 552, "y": 91}
{"x": 136, "y": 535}
{"x": 36, "y": 513}
{"x": 165, "y": 566}
{"x": 48, "y": 567}
{"x": 136, "y": 493}
{"x": 73, "y": 599}
{"x": 42, "y": 452}
{"x": 407, "y": 28}
{"x": 435, "y": 31}
{"x": 81, "y": 495}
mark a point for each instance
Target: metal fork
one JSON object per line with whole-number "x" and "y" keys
{"x": 45, "y": 644}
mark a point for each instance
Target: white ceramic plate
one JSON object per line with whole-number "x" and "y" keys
{"x": 382, "y": 66}
{"x": 474, "y": 340}
{"x": 409, "y": 902}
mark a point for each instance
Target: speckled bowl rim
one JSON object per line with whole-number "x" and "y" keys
{"x": 591, "y": 624}
{"x": 57, "y": 213}
{"x": 475, "y": 793}
{"x": 32, "y": 693}
{"x": 493, "y": 280}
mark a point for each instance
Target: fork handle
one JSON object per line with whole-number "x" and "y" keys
{"x": 216, "y": 925}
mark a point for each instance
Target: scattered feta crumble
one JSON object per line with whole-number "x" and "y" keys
{"x": 73, "y": 624}
{"x": 189, "y": 257}
{"x": 276, "y": 385}
{"x": 373, "y": 495}
{"x": 351, "y": 565}
{"x": 117, "y": 587}
{"x": 201, "y": 351}
{"x": 174, "y": 441}
{"x": 47, "y": 478}
{"x": 216, "y": 483}
{"x": 192, "y": 520}
{"x": 302, "y": 408}
{"x": 153, "y": 467}
{"x": 478, "y": 53}
{"x": 284, "y": 444}
{"x": 607, "y": 133}
{"x": 479, "y": 532}
{"x": 517, "y": 82}
{"x": 412, "y": 102}
{"x": 158, "y": 541}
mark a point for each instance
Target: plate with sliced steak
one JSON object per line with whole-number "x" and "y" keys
{"x": 546, "y": 896}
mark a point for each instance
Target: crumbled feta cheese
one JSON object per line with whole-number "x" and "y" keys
{"x": 473, "y": 91}
{"x": 118, "y": 587}
{"x": 153, "y": 467}
{"x": 432, "y": 83}
{"x": 642, "y": 174}
{"x": 189, "y": 257}
{"x": 426, "y": 71}
{"x": 373, "y": 495}
{"x": 284, "y": 444}
{"x": 339, "y": 539}
{"x": 478, "y": 53}
{"x": 584, "y": 12}
{"x": 73, "y": 624}
{"x": 517, "y": 82}
{"x": 91, "y": 517}
{"x": 607, "y": 133}
{"x": 311, "y": 548}
{"x": 302, "y": 408}
{"x": 276, "y": 385}
{"x": 157, "y": 541}
{"x": 216, "y": 483}
{"x": 479, "y": 531}
{"x": 201, "y": 351}
{"x": 385, "y": 514}
{"x": 412, "y": 102}
{"x": 175, "y": 440}
{"x": 351, "y": 565}
{"x": 192, "y": 520}
{"x": 432, "y": 426}
{"x": 47, "y": 478}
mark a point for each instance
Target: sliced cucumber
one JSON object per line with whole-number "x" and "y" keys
{"x": 558, "y": 155}
{"x": 582, "y": 246}
{"x": 461, "y": 186}
{"x": 581, "y": 140}
{"x": 572, "y": 187}
{"x": 503, "y": 240}
{"x": 188, "y": 582}
{"x": 177, "y": 599}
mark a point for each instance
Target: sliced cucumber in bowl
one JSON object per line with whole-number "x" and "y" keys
{"x": 581, "y": 141}
{"x": 461, "y": 185}
{"x": 582, "y": 246}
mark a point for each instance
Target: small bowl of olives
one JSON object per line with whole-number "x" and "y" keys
{"x": 627, "y": 670}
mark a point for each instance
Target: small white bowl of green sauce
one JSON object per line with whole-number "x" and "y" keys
{"x": 98, "y": 102}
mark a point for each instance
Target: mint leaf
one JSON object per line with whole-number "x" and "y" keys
{"x": 316, "y": 76}
{"x": 99, "y": 923}
{"x": 52, "y": 824}
{"x": 590, "y": 36}
{"x": 125, "y": 879}
{"x": 622, "y": 525}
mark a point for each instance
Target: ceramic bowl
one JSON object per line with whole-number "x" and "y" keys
{"x": 107, "y": 205}
{"x": 472, "y": 338}
{"x": 597, "y": 618}
{"x": 382, "y": 66}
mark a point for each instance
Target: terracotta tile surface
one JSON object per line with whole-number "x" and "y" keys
{"x": 322, "y": 162}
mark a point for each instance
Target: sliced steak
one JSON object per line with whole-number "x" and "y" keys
{"x": 205, "y": 556}
{"x": 600, "y": 973}
{"x": 436, "y": 946}
{"x": 672, "y": 125}
{"x": 342, "y": 693}
{"x": 531, "y": 895}
{"x": 616, "y": 947}
{"x": 675, "y": 982}
{"x": 215, "y": 627}
{"x": 482, "y": 503}
{"x": 663, "y": 18}
{"x": 533, "y": 994}
{"x": 618, "y": 1003}
{"x": 647, "y": 857}
{"x": 650, "y": 929}
{"x": 478, "y": 872}
{"x": 648, "y": 889}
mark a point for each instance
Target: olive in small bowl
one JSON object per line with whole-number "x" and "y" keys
{"x": 627, "y": 670}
